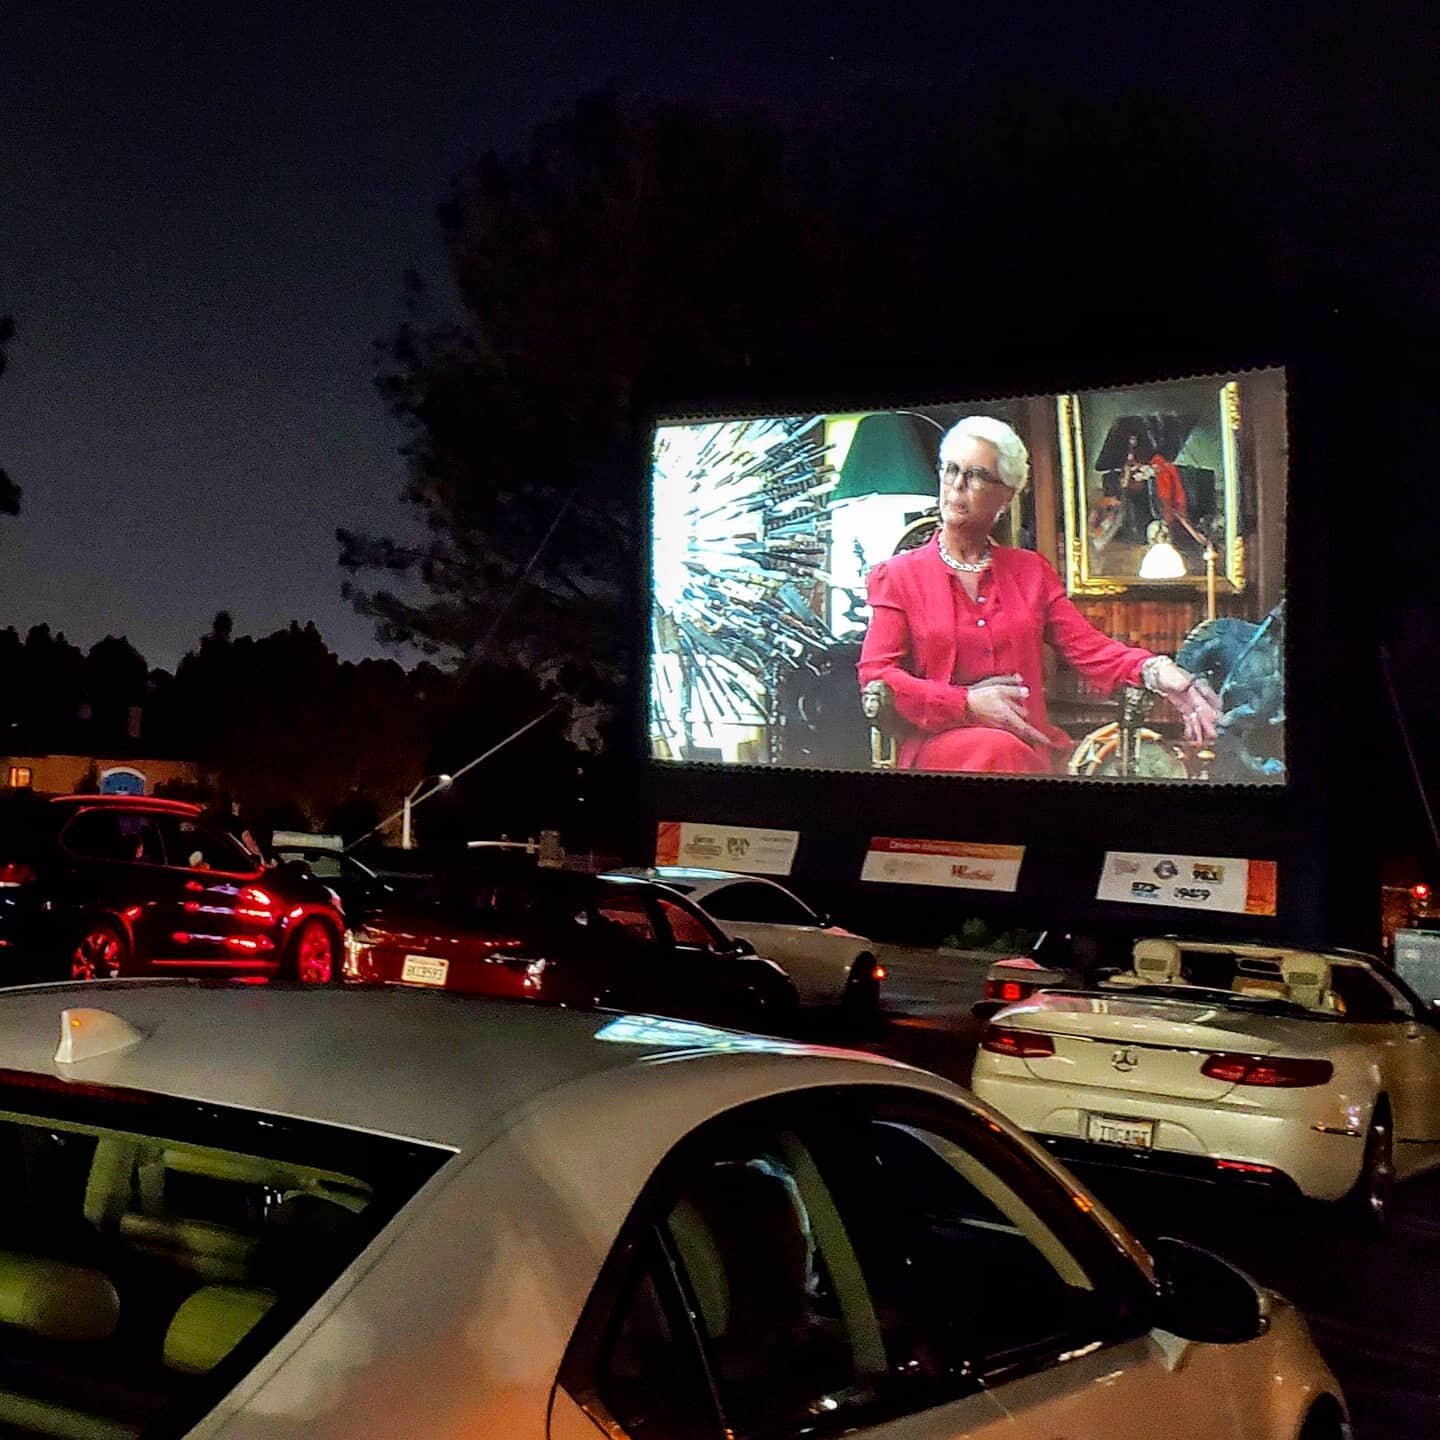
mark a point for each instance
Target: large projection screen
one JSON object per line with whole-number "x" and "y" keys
{"x": 978, "y": 588}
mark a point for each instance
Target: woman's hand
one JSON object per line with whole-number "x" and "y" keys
{"x": 1191, "y": 695}
{"x": 999, "y": 702}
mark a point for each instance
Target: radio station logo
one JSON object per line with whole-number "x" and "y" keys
{"x": 970, "y": 872}
{"x": 1192, "y": 892}
{"x": 1207, "y": 874}
{"x": 1144, "y": 889}
{"x": 1167, "y": 869}
{"x": 1125, "y": 866}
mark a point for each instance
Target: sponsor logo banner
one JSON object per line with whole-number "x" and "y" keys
{"x": 1189, "y": 882}
{"x": 742, "y": 848}
{"x": 954, "y": 863}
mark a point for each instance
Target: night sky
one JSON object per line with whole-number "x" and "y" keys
{"x": 206, "y": 212}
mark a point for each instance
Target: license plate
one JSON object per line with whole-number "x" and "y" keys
{"x": 1112, "y": 1130}
{"x": 422, "y": 970}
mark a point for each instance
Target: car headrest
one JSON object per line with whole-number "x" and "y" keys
{"x": 1308, "y": 979}
{"x": 56, "y": 1299}
{"x": 211, "y": 1323}
{"x": 1157, "y": 962}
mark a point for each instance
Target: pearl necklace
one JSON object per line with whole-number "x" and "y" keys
{"x": 965, "y": 567}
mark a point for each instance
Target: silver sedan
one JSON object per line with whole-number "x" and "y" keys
{"x": 267, "y": 1214}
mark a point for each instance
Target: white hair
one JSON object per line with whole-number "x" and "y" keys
{"x": 1013, "y": 460}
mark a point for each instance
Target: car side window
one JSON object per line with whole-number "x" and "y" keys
{"x": 969, "y": 1275}
{"x": 759, "y": 904}
{"x": 1367, "y": 1000}
{"x": 114, "y": 835}
{"x": 849, "y": 1259}
{"x": 190, "y": 845}
{"x": 686, "y": 928}
{"x": 630, "y": 913}
{"x": 652, "y": 1376}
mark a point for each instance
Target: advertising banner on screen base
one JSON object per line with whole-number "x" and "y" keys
{"x": 1189, "y": 882}
{"x": 955, "y": 863}
{"x": 742, "y": 848}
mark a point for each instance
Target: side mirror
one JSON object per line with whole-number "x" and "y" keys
{"x": 1204, "y": 1298}
{"x": 740, "y": 946}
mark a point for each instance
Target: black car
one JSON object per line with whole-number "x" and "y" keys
{"x": 93, "y": 886}
{"x": 572, "y": 939}
{"x": 1058, "y": 958}
{"x": 360, "y": 888}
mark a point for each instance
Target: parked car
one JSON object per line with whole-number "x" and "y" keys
{"x": 1057, "y": 957}
{"x": 94, "y": 886}
{"x": 516, "y": 931}
{"x": 384, "y": 1214}
{"x": 1307, "y": 1071}
{"x": 359, "y": 887}
{"x": 829, "y": 965}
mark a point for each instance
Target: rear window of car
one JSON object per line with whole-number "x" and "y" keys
{"x": 152, "y": 1250}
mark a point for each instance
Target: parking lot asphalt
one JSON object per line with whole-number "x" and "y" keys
{"x": 1372, "y": 1305}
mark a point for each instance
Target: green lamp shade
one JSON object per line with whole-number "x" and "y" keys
{"x": 890, "y": 455}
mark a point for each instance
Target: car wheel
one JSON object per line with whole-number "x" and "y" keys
{"x": 860, "y": 1002}
{"x": 314, "y": 955}
{"x": 99, "y": 953}
{"x": 1374, "y": 1191}
{"x": 773, "y": 1011}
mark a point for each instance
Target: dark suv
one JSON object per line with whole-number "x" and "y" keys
{"x": 98, "y": 885}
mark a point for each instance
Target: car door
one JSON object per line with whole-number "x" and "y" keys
{"x": 1407, "y": 1050}
{"x": 225, "y": 920}
{"x": 780, "y": 926}
{"x": 114, "y": 865}
{"x": 878, "y": 1266}
{"x": 704, "y": 977}
{"x": 627, "y": 952}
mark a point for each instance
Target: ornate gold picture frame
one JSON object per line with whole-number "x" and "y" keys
{"x": 1150, "y": 480}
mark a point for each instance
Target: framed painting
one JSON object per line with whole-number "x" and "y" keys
{"x": 1150, "y": 479}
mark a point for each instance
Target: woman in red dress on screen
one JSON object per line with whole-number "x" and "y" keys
{"x": 957, "y": 626}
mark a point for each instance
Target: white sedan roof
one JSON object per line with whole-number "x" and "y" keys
{"x": 428, "y": 1066}
{"x": 696, "y": 880}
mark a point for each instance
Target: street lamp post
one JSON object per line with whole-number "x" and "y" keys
{"x": 442, "y": 782}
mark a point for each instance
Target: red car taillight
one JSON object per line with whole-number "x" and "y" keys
{"x": 1274, "y": 1071}
{"x": 14, "y": 873}
{"x": 1021, "y": 1043}
{"x": 1008, "y": 990}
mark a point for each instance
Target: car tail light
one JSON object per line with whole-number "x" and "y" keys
{"x": 15, "y": 872}
{"x": 1269, "y": 1070}
{"x": 878, "y": 972}
{"x": 1021, "y": 1043}
{"x": 1245, "y": 1167}
{"x": 1008, "y": 990}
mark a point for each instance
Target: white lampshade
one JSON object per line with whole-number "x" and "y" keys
{"x": 1162, "y": 562}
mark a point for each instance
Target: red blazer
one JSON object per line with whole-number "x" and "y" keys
{"x": 928, "y": 640}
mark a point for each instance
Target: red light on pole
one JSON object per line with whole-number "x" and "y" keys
{"x": 1420, "y": 894}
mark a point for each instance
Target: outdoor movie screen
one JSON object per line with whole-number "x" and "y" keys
{"x": 1085, "y": 586}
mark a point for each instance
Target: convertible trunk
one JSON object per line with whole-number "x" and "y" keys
{"x": 1144, "y": 1044}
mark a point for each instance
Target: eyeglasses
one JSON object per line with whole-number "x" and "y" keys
{"x": 972, "y": 477}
